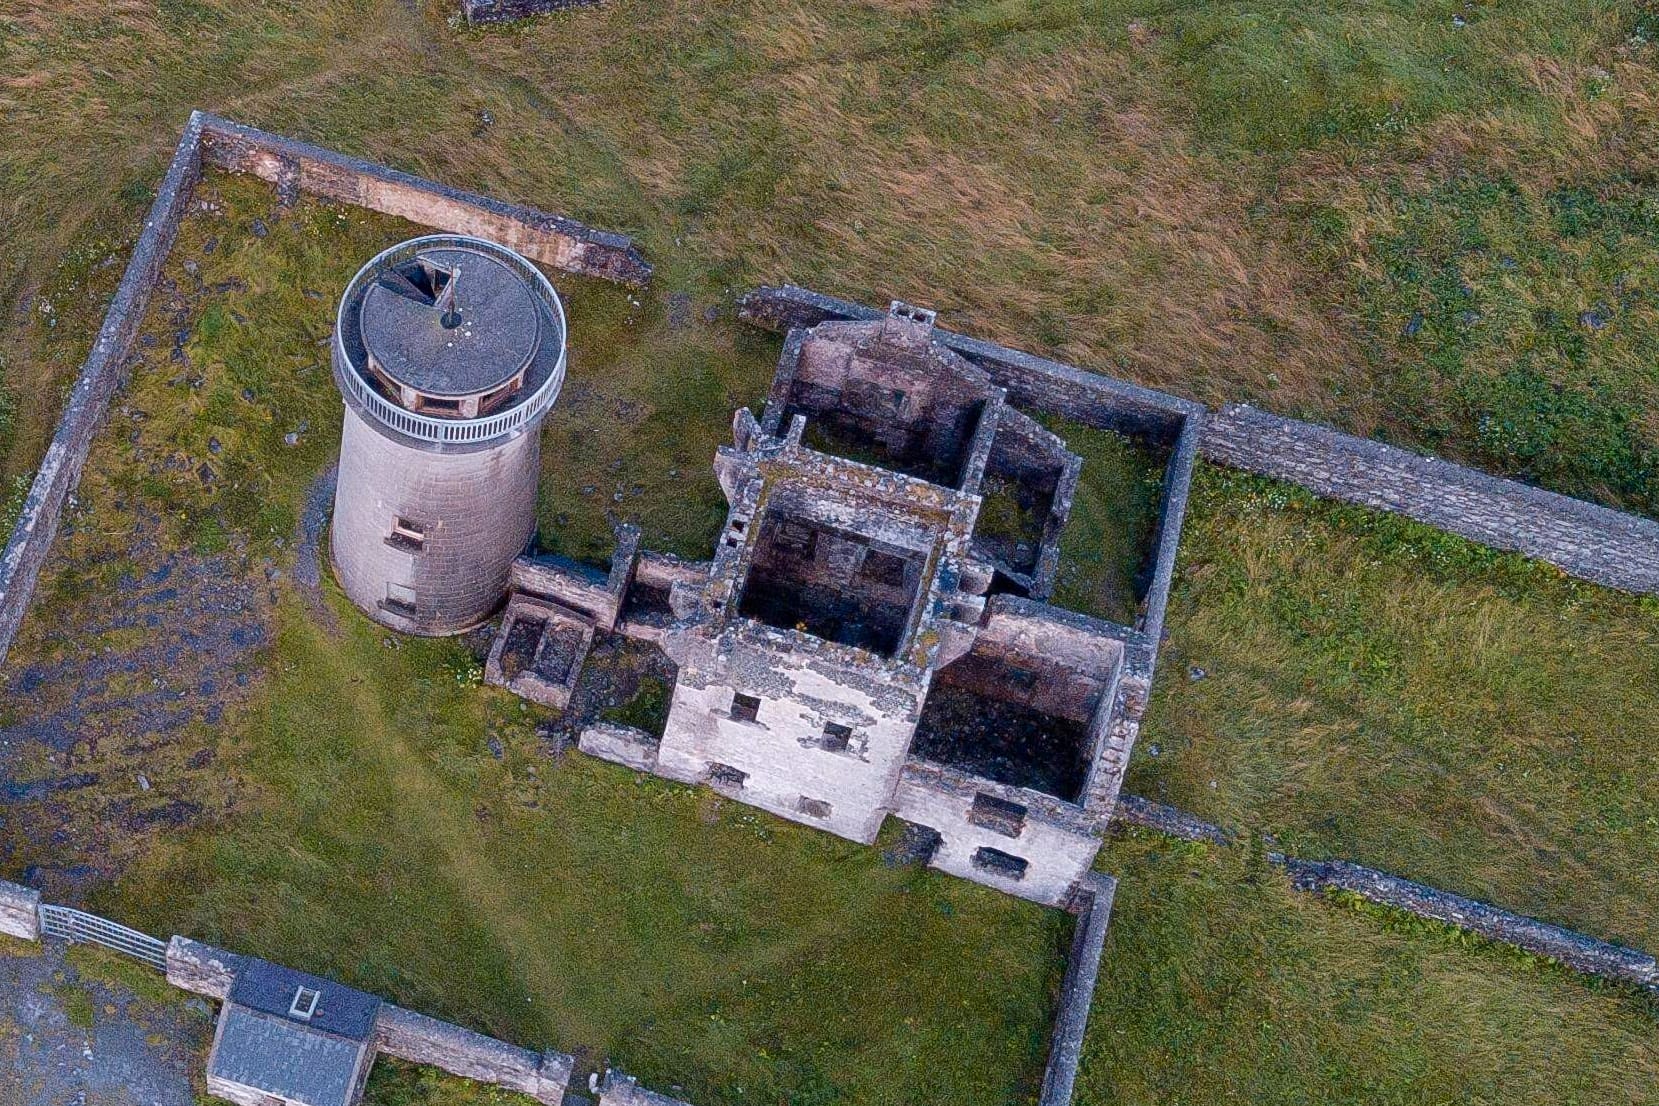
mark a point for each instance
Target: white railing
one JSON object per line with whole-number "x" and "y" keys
{"x": 425, "y": 428}
{"x": 79, "y": 927}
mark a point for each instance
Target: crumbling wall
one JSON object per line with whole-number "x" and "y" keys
{"x": 1055, "y": 841}
{"x": 791, "y": 763}
{"x": 505, "y": 11}
{"x": 104, "y": 370}
{"x": 19, "y": 911}
{"x": 202, "y": 969}
{"x": 296, "y": 167}
{"x": 1592, "y": 542}
{"x": 885, "y": 385}
{"x": 618, "y": 1089}
{"x": 625, "y": 745}
{"x": 1088, "y": 943}
{"x": 423, "y": 1040}
{"x": 1575, "y": 950}
{"x": 1030, "y": 381}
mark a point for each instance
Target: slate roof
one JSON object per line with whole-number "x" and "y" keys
{"x": 269, "y": 988}
{"x": 279, "y": 1056}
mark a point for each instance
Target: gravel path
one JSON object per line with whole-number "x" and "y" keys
{"x": 135, "y": 1052}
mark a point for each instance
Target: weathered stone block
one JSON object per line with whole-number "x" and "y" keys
{"x": 423, "y": 1040}
{"x": 621, "y": 745}
{"x": 202, "y": 969}
{"x": 19, "y": 911}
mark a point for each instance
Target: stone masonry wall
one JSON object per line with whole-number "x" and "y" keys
{"x": 505, "y": 11}
{"x": 423, "y": 1040}
{"x": 1576, "y": 951}
{"x": 296, "y": 167}
{"x": 19, "y": 911}
{"x": 623, "y": 1090}
{"x": 1030, "y": 381}
{"x": 104, "y": 370}
{"x": 1592, "y": 542}
{"x": 1065, "y": 1047}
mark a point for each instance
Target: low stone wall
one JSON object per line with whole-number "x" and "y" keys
{"x": 505, "y": 11}
{"x": 1575, "y": 950}
{"x": 301, "y": 167}
{"x": 1077, "y": 990}
{"x": 202, "y": 969}
{"x": 104, "y": 370}
{"x": 623, "y": 1090}
{"x": 1132, "y": 810}
{"x": 423, "y": 1040}
{"x": 1171, "y": 518}
{"x": 1588, "y": 541}
{"x": 19, "y": 911}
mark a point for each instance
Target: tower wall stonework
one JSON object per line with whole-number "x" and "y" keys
{"x": 477, "y": 510}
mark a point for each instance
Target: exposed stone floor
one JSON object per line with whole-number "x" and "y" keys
{"x": 70, "y": 1040}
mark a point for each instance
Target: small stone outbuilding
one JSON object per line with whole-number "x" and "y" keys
{"x": 286, "y": 1038}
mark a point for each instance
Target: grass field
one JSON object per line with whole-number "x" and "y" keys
{"x": 1380, "y": 691}
{"x": 1429, "y": 220}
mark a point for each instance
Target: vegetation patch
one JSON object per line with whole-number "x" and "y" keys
{"x": 1524, "y": 330}
{"x": 1364, "y": 687}
{"x": 1106, "y": 549}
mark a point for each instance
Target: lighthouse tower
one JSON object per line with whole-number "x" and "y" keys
{"x": 449, "y": 350}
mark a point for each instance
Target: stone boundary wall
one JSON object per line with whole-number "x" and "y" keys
{"x": 1576, "y": 951}
{"x": 423, "y": 1040}
{"x": 1172, "y": 516}
{"x": 1088, "y": 943}
{"x": 505, "y": 11}
{"x": 19, "y": 911}
{"x": 104, "y": 370}
{"x": 293, "y": 167}
{"x": 1592, "y": 542}
{"x": 1565, "y": 946}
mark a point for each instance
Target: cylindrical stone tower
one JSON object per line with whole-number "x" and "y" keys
{"x": 448, "y": 350}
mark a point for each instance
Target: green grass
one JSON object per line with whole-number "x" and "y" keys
{"x": 1523, "y": 331}
{"x": 1106, "y": 547}
{"x": 1383, "y": 692}
{"x": 1222, "y": 985}
{"x": 573, "y": 905}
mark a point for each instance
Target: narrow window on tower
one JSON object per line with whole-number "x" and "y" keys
{"x": 407, "y": 535}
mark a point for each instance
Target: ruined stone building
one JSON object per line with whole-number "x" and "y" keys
{"x": 448, "y": 351}
{"x": 871, "y": 636}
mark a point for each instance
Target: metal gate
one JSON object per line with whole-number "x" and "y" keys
{"x": 81, "y": 927}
